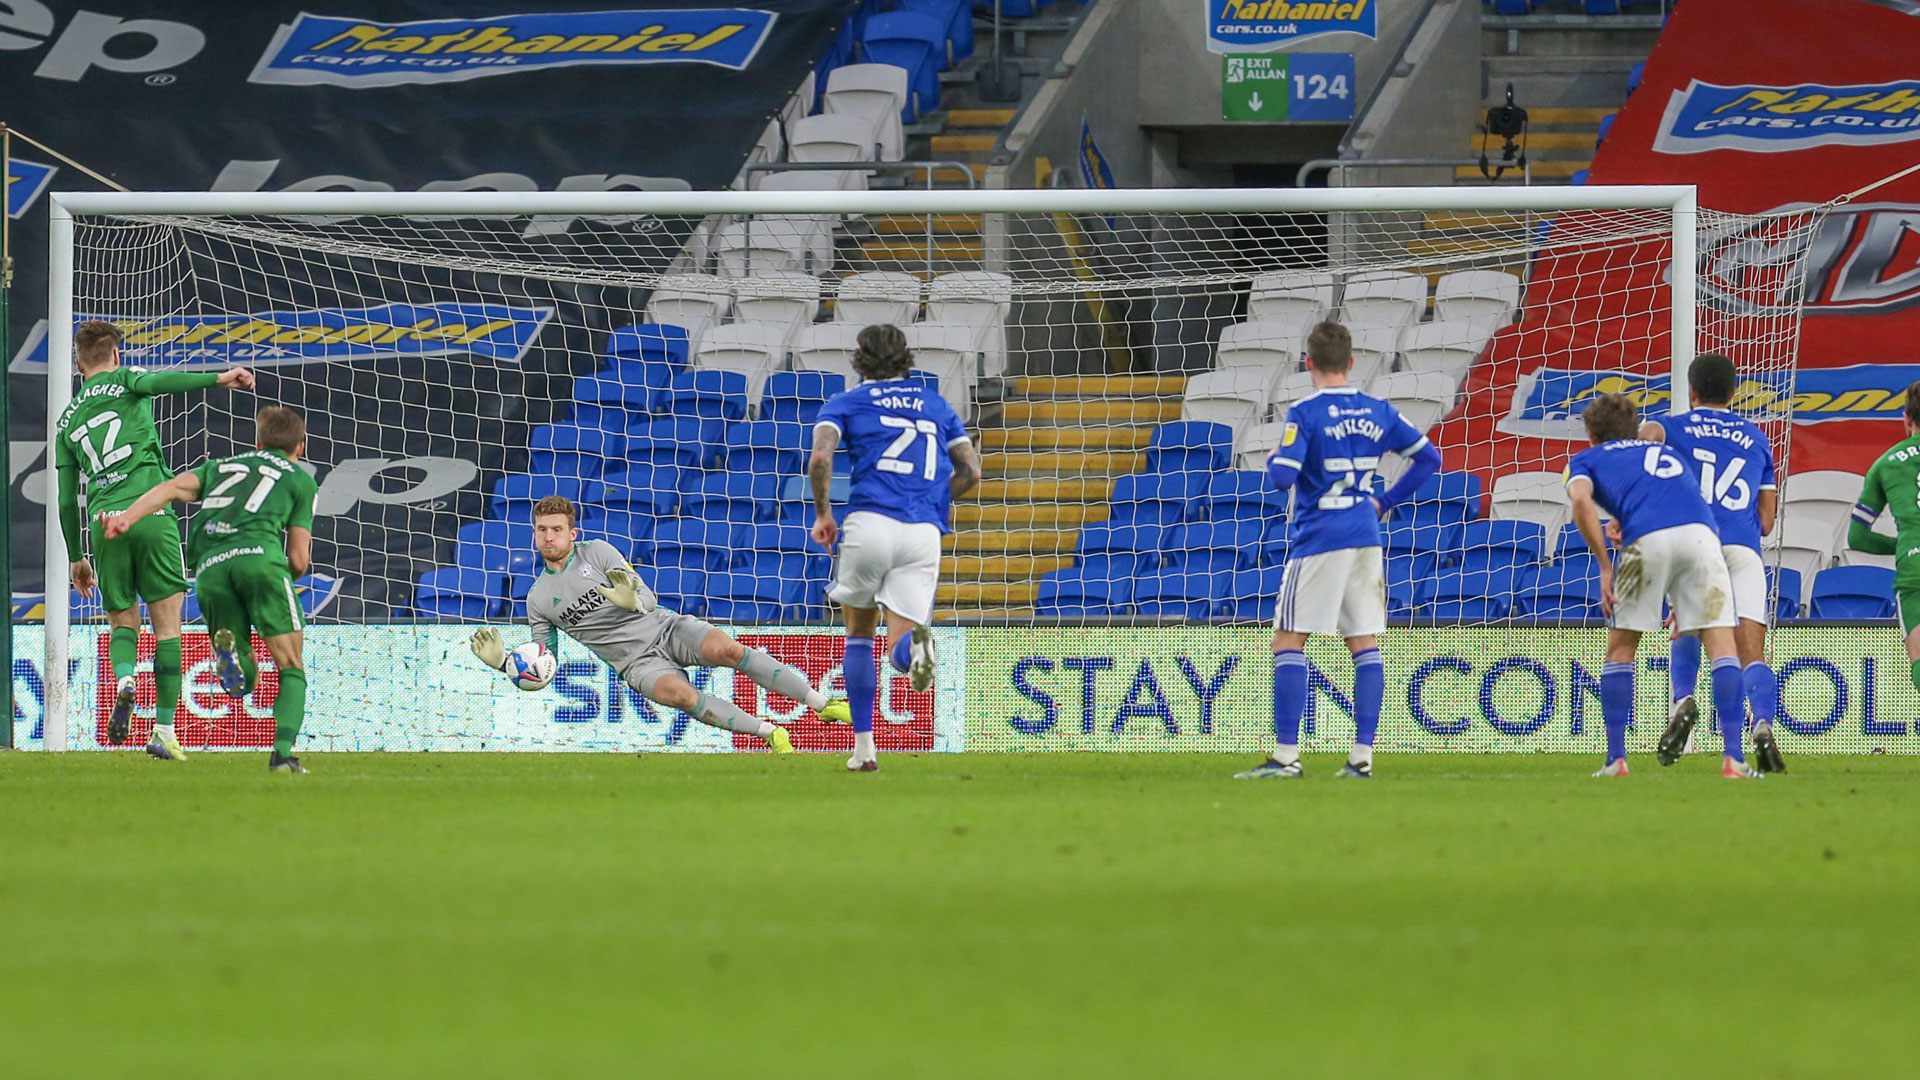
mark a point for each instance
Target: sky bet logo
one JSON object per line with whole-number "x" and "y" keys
{"x": 1777, "y": 119}
{"x": 319, "y": 49}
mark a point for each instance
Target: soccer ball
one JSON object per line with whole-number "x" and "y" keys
{"x": 531, "y": 666}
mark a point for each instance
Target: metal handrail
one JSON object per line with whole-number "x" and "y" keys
{"x": 965, "y": 168}
{"x": 1343, "y": 164}
{"x": 1345, "y": 146}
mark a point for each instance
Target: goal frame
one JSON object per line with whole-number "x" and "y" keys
{"x": 1680, "y": 200}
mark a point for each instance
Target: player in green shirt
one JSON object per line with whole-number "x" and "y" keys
{"x": 107, "y": 435}
{"x": 242, "y": 574}
{"x": 1893, "y": 484}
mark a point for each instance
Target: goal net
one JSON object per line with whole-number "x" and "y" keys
{"x": 1122, "y": 358}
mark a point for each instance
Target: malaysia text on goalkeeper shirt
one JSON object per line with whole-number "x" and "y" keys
{"x": 570, "y": 599}
{"x": 898, "y": 433}
{"x": 1335, "y": 439}
{"x": 1732, "y": 460}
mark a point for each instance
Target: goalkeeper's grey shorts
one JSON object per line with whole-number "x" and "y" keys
{"x": 674, "y": 651}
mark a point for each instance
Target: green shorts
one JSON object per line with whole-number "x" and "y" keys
{"x": 248, "y": 592}
{"x": 1908, "y": 601}
{"x": 144, "y": 564}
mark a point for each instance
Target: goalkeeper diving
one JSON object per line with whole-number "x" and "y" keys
{"x": 588, "y": 590}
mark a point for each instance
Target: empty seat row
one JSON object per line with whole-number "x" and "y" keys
{"x": 1384, "y": 297}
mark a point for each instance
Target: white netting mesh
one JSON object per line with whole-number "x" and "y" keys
{"x": 1122, "y": 373}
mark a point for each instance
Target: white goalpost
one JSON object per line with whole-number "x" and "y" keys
{"x": 459, "y": 353}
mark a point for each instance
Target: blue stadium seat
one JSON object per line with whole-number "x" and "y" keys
{"x": 708, "y": 395}
{"x": 1276, "y": 543}
{"x": 796, "y": 498}
{"x": 1603, "y": 7}
{"x": 574, "y": 450}
{"x": 1786, "y": 583}
{"x": 1240, "y": 494}
{"x": 913, "y": 41}
{"x": 1567, "y": 591}
{"x": 1174, "y": 592}
{"x": 1569, "y": 543}
{"x": 1578, "y": 179}
{"x": 1067, "y": 593}
{"x": 685, "y": 441}
{"x": 1513, "y": 7}
{"x": 681, "y": 588}
{"x": 1447, "y": 498}
{"x": 514, "y": 496}
{"x": 649, "y": 342}
{"x": 1438, "y": 542}
{"x": 1252, "y": 594}
{"x": 769, "y": 447}
{"x": 502, "y": 547}
{"x": 517, "y": 588}
{"x": 1606, "y": 125}
{"x": 737, "y": 497}
{"x": 796, "y": 396}
{"x": 1409, "y": 585}
{"x": 1635, "y": 74}
{"x": 625, "y": 530}
{"x": 1852, "y": 593}
{"x": 744, "y": 596}
{"x": 1495, "y": 545}
{"x": 613, "y": 402}
{"x": 1472, "y": 596}
{"x": 1154, "y": 497}
{"x": 643, "y": 489}
{"x": 1189, "y": 446}
{"x": 958, "y": 17}
{"x": 693, "y": 542}
{"x": 1140, "y": 540}
{"x": 1012, "y": 9}
{"x": 786, "y": 554}
{"x": 460, "y": 592}
{"x": 1209, "y": 546}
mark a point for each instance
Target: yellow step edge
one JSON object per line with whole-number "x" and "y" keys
{"x": 1056, "y": 438}
{"x": 979, "y": 117}
{"x": 1586, "y": 115}
{"x": 1027, "y": 515}
{"x": 1547, "y": 140}
{"x": 1037, "y": 540}
{"x": 994, "y": 593}
{"x": 1101, "y": 385}
{"x": 1040, "y": 490}
{"x": 1107, "y": 410}
{"x": 916, "y": 225}
{"x": 1070, "y": 462}
{"x": 1011, "y": 614}
{"x": 1440, "y": 248}
{"x": 1557, "y": 169}
{"x": 950, "y": 175}
{"x": 1002, "y": 567}
{"x": 963, "y": 144}
{"x": 909, "y": 252}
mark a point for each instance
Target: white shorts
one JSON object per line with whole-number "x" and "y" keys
{"x": 887, "y": 563}
{"x": 1335, "y": 592}
{"x": 1749, "y": 576}
{"x": 1686, "y": 567}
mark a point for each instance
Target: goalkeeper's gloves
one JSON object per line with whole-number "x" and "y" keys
{"x": 489, "y": 648}
{"x": 623, "y": 590}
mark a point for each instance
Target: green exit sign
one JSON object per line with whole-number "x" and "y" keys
{"x": 1287, "y": 87}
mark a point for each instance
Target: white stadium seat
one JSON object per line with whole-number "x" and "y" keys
{"x": 1255, "y": 443}
{"x": 978, "y": 298}
{"x": 1290, "y": 387}
{"x": 1539, "y": 497}
{"x": 690, "y": 301}
{"x": 1805, "y": 545}
{"x": 1302, "y": 297}
{"x": 1265, "y": 343}
{"x": 1384, "y": 297}
{"x": 1236, "y": 397}
{"x": 827, "y": 347}
{"x": 950, "y": 352}
{"x": 790, "y": 298}
{"x": 754, "y": 349}
{"x": 1424, "y": 398}
{"x": 1374, "y": 348}
{"x": 880, "y": 296}
{"x": 811, "y": 180}
{"x": 876, "y": 91}
{"x": 833, "y": 137}
{"x": 801, "y": 103}
{"x": 1480, "y": 295}
{"x": 1443, "y": 346}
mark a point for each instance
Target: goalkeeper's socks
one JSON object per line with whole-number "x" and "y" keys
{"x": 1730, "y": 703}
{"x": 123, "y": 651}
{"x": 902, "y": 653}
{"x": 721, "y": 713}
{"x": 771, "y": 674}
{"x": 1369, "y": 690}
{"x": 1289, "y": 700}
{"x": 863, "y": 682}
{"x": 289, "y": 709}
{"x": 1684, "y": 665}
{"x": 1916, "y": 674}
{"x": 166, "y": 680}
{"x": 1763, "y": 692}
{"x": 1616, "y": 706}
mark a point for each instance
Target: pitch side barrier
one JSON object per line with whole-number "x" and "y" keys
{"x": 1064, "y": 687}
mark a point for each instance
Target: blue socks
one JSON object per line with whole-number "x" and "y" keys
{"x": 1616, "y": 707}
{"x": 1730, "y": 703}
{"x": 1685, "y": 665}
{"x": 1369, "y": 690}
{"x": 1289, "y": 696}
{"x": 863, "y": 682}
{"x": 902, "y": 654}
{"x": 1763, "y": 692}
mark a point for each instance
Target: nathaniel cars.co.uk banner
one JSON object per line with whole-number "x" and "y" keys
{"x": 1766, "y": 105}
{"x": 1067, "y": 688}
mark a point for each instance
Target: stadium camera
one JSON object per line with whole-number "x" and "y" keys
{"x": 1509, "y": 124}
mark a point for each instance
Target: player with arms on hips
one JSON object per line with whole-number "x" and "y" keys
{"x": 107, "y": 434}
{"x": 588, "y": 590}
{"x": 911, "y": 458}
{"x": 1669, "y": 551}
{"x": 1893, "y": 485}
{"x": 243, "y": 576}
{"x": 1733, "y": 460}
{"x": 1335, "y": 579}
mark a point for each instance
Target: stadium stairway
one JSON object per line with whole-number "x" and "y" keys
{"x": 1049, "y": 469}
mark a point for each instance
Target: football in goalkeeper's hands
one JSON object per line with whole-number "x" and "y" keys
{"x": 531, "y": 666}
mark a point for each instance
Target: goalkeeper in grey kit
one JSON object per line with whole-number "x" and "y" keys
{"x": 588, "y": 590}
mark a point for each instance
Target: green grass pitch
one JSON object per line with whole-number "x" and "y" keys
{"x": 965, "y": 916}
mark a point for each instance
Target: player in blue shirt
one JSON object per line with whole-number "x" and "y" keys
{"x": 1733, "y": 461}
{"x": 1669, "y": 551}
{"x": 1335, "y": 580}
{"x": 911, "y": 458}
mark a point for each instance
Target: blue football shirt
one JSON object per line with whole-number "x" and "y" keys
{"x": 1644, "y": 485}
{"x": 1733, "y": 461}
{"x": 897, "y": 433}
{"x": 1335, "y": 438}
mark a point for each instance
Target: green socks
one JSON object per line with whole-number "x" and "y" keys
{"x": 122, "y": 650}
{"x": 289, "y": 709}
{"x": 166, "y": 679}
{"x": 1916, "y": 674}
